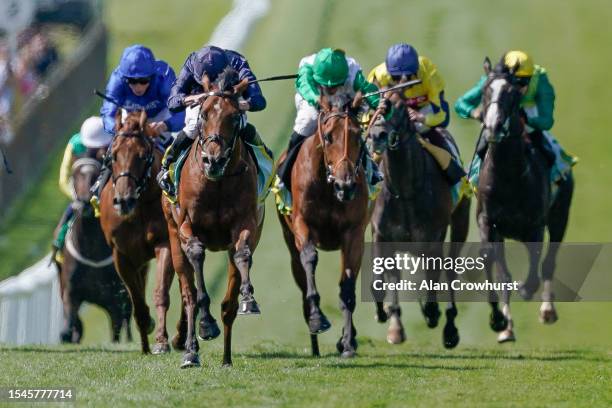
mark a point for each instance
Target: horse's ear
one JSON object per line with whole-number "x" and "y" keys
{"x": 324, "y": 102}
{"x": 143, "y": 120}
{"x": 241, "y": 86}
{"x": 206, "y": 82}
{"x": 118, "y": 121}
{"x": 357, "y": 100}
{"x": 514, "y": 68}
{"x": 487, "y": 65}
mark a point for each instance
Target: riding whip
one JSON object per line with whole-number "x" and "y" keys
{"x": 394, "y": 88}
{"x": 274, "y": 78}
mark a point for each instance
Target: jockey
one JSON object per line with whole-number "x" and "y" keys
{"x": 86, "y": 143}
{"x": 425, "y": 102}
{"x": 537, "y": 103}
{"x": 331, "y": 73}
{"x": 140, "y": 82}
{"x": 187, "y": 89}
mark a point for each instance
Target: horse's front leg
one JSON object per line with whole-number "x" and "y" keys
{"x": 532, "y": 283}
{"x": 497, "y": 320}
{"x": 161, "y": 297}
{"x": 352, "y": 251}
{"x": 430, "y": 310}
{"x": 504, "y": 276}
{"x": 194, "y": 251}
{"x": 317, "y": 322}
{"x": 243, "y": 259}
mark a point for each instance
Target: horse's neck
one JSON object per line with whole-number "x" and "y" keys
{"x": 404, "y": 168}
{"x": 508, "y": 158}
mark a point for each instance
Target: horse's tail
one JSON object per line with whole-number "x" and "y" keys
{"x": 459, "y": 225}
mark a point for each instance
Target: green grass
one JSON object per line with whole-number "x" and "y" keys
{"x": 564, "y": 364}
{"x": 270, "y": 374}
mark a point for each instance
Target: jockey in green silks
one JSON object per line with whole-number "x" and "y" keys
{"x": 537, "y": 103}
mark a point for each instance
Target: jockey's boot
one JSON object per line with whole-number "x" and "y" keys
{"x": 249, "y": 134}
{"x": 59, "y": 235}
{"x": 542, "y": 144}
{"x": 439, "y": 149}
{"x": 96, "y": 189}
{"x": 179, "y": 144}
{"x": 284, "y": 170}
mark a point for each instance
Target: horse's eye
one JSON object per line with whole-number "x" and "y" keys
{"x": 328, "y": 137}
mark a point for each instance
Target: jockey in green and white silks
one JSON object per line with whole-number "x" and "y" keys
{"x": 537, "y": 103}
{"x": 331, "y": 73}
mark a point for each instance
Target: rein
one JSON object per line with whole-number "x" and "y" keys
{"x": 329, "y": 169}
{"x": 141, "y": 183}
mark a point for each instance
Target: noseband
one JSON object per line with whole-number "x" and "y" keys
{"x": 329, "y": 169}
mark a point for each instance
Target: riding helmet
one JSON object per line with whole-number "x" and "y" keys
{"x": 402, "y": 59}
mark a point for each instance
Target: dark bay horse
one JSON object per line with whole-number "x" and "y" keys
{"x": 330, "y": 212}
{"x": 514, "y": 197}
{"x": 134, "y": 226}
{"x": 217, "y": 211}
{"x": 87, "y": 273}
{"x": 415, "y": 206}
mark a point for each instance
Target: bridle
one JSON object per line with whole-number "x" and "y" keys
{"x": 329, "y": 169}
{"x": 141, "y": 183}
{"x": 204, "y": 139}
{"x": 505, "y": 128}
{"x": 84, "y": 161}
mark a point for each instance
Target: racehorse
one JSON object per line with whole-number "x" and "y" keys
{"x": 86, "y": 272}
{"x": 133, "y": 223}
{"x": 514, "y": 198}
{"x": 330, "y": 212}
{"x": 415, "y": 205}
{"x": 217, "y": 211}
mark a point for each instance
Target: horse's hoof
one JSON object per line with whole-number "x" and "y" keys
{"x": 341, "y": 349}
{"x": 178, "y": 343}
{"x": 381, "y": 316}
{"x": 190, "y": 360}
{"x": 209, "y": 330}
{"x": 227, "y": 365}
{"x": 431, "y": 312}
{"x": 318, "y": 323}
{"x": 66, "y": 337}
{"x": 506, "y": 336}
{"x": 249, "y": 306}
{"x": 497, "y": 321}
{"x": 151, "y": 326}
{"x": 160, "y": 348}
{"x": 395, "y": 332}
{"x": 450, "y": 336}
{"x": 348, "y": 354}
{"x": 528, "y": 288}
{"x": 548, "y": 314}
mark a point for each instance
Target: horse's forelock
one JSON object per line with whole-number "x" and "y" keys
{"x": 227, "y": 79}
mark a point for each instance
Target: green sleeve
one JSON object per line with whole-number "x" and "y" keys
{"x": 545, "y": 101}
{"x": 470, "y": 100}
{"x": 78, "y": 148}
{"x": 306, "y": 85}
{"x": 361, "y": 84}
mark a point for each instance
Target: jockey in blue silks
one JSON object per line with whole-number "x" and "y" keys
{"x": 212, "y": 61}
{"x": 139, "y": 82}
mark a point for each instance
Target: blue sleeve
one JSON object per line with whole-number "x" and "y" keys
{"x": 182, "y": 86}
{"x": 115, "y": 89}
{"x": 253, "y": 92}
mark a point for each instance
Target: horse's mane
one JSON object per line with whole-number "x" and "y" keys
{"x": 227, "y": 79}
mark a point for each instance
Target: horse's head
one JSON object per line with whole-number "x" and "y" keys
{"x": 221, "y": 121}
{"x": 85, "y": 172}
{"x": 500, "y": 101}
{"x": 132, "y": 159}
{"x": 343, "y": 152}
{"x": 385, "y": 133}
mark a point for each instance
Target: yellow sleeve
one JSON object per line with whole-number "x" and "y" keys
{"x": 65, "y": 172}
{"x": 434, "y": 84}
{"x": 379, "y": 76}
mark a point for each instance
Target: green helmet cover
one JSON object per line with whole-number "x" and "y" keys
{"x": 330, "y": 67}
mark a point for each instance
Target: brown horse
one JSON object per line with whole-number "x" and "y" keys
{"x": 415, "y": 206}
{"x": 133, "y": 223}
{"x": 217, "y": 211}
{"x": 87, "y": 273}
{"x": 330, "y": 212}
